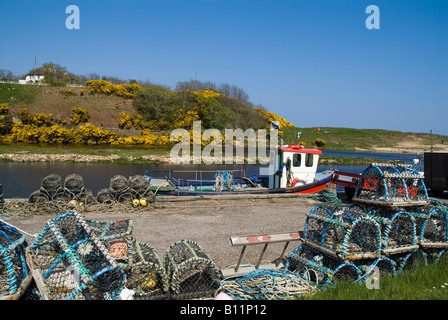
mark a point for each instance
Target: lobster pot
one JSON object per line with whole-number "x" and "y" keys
{"x": 409, "y": 260}
{"x": 63, "y": 195}
{"x": 119, "y": 185}
{"x": 117, "y": 238}
{"x": 14, "y": 273}
{"x": 317, "y": 266}
{"x": 432, "y": 227}
{"x": 399, "y": 231}
{"x": 432, "y": 232}
{"x": 69, "y": 262}
{"x": 440, "y": 255}
{"x": 326, "y": 228}
{"x": 147, "y": 277}
{"x": 362, "y": 240}
{"x": 74, "y": 183}
{"x": 140, "y": 188}
{"x": 378, "y": 267}
{"x": 38, "y": 197}
{"x": 125, "y": 197}
{"x": 51, "y": 184}
{"x": 85, "y": 196}
{"x": 190, "y": 270}
{"x": 105, "y": 195}
{"x": 347, "y": 272}
{"x": 387, "y": 184}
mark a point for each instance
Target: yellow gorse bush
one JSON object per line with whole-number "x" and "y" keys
{"x": 121, "y": 90}
{"x": 40, "y": 119}
{"x": 183, "y": 119}
{"x": 207, "y": 93}
{"x": 87, "y": 134}
{"x": 269, "y": 116}
{"x": 4, "y": 109}
{"x": 79, "y": 115}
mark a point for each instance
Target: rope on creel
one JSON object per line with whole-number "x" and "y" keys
{"x": 266, "y": 284}
{"x": 326, "y": 196}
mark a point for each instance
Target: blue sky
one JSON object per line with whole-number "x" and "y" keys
{"x": 313, "y": 62}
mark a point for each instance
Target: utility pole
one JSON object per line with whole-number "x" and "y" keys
{"x": 430, "y": 131}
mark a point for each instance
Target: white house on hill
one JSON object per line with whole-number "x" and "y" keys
{"x": 33, "y": 76}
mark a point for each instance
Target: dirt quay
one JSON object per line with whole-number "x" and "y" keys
{"x": 208, "y": 222}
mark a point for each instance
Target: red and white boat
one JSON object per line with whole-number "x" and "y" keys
{"x": 292, "y": 169}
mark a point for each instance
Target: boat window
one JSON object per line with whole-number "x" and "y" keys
{"x": 296, "y": 160}
{"x": 309, "y": 160}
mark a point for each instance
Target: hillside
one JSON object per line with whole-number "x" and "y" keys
{"x": 105, "y": 111}
{"x": 132, "y": 106}
{"x": 375, "y": 140}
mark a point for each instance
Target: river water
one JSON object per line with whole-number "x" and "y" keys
{"x": 20, "y": 179}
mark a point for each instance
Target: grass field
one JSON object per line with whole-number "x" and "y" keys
{"x": 365, "y": 139}
{"x": 425, "y": 282}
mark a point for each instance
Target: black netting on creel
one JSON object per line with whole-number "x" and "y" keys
{"x": 13, "y": 269}
{"x": 192, "y": 273}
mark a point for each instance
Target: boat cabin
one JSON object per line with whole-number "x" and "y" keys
{"x": 293, "y": 166}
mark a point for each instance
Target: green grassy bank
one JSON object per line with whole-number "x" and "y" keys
{"x": 350, "y": 139}
{"x": 424, "y": 282}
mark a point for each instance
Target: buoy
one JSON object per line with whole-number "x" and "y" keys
{"x": 143, "y": 202}
{"x": 149, "y": 282}
{"x": 118, "y": 248}
{"x": 73, "y": 203}
{"x": 135, "y": 202}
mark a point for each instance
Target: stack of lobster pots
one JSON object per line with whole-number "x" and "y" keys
{"x": 121, "y": 189}
{"x": 54, "y": 188}
{"x": 391, "y": 226}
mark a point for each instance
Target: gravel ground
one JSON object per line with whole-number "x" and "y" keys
{"x": 210, "y": 223}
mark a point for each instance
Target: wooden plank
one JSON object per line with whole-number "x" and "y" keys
{"x": 403, "y": 203}
{"x": 38, "y": 279}
{"x": 388, "y": 251}
{"x": 326, "y": 251}
{"x": 264, "y": 238}
{"x": 429, "y": 245}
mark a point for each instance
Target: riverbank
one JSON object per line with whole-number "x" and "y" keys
{"x": 96, "y": 154}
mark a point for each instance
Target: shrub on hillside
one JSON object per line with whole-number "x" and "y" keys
{"x": 79, "y": 115}
{"x": 320, "y": 143}
{"x": 121, "y": 90}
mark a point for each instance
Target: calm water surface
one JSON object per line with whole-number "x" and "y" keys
{"x": 20, "y": 179}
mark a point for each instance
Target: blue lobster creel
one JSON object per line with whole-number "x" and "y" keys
{"x": 398, "y": 231}
{"x": 341, "y": 234}
{"x": 14, "y": 273}
{"x": 409, "y": 260}
{"x": 391, "y": 185}
{"x": 433, "y": 226}
{"x": 319, "y": 268}
{"x": 323, "y": 222}
{"x": 70, "y": 262}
